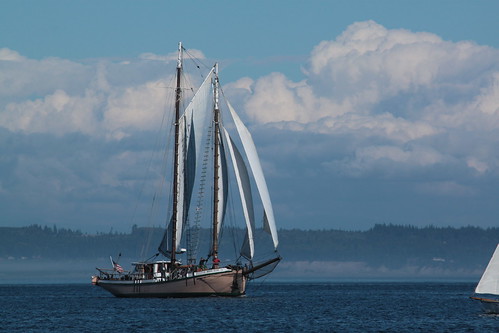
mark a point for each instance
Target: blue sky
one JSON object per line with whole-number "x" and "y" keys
{"x": 364, "y": 111}
{"x": 258, "y": 36}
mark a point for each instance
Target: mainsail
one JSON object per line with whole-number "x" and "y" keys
{"x": 489, "y": 283}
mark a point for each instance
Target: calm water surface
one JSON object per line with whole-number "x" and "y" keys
{"x": 269, "y": 307}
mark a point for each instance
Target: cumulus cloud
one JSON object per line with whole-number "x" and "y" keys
{"x": 57, "y": 96}
{"x": 57, "y": 113}
{"x": 370, "y": 70}
{"x": 63, "y": 130}
{"x": 23, "y": 78}
{"x": 10, "y": 55}
{"x": 375, "y": 103}
{"x": 388, "y": 161}
{"x": 407, "y": 98}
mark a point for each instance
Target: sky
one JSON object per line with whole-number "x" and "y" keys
{"x": 363, "y": 112}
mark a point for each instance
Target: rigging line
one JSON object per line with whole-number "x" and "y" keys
{"x": 225, "y": 100}
{"x": 231, "y": 218}
{"x": 261, "y": 282}
{"x": 207, "y": 160}
{"x": 208, "y": 284}
{"x": 148, "y": 169}
{"x": 195, "y": 60}
{"x": 228, "y": 199}
{"x": 235, "y": 238}
{"x": 199, "y": 208}
{"x": 186, "y": 78}
{"x": 155, "y": 209}
{"x": 187, "y": 86}
{"x": 160, "y": 137}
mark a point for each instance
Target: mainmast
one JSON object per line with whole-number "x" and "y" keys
{"x": 178, "y": 96}
{"x": 216, "y": 166}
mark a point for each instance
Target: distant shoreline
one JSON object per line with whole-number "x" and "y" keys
{"x": 384, "y": 252}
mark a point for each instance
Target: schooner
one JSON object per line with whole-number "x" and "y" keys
{"x": 205, "y": 276}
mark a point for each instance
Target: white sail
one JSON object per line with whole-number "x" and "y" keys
{"x": 198, "y": 110}
{"x": 256, "y": 168}
{"x": 489, "y": 283}
{"x": 243, "y": 184}
{"x": 191, "y": 129}
{"x": 181, "y": 181}
{"x": 222, "y": 187}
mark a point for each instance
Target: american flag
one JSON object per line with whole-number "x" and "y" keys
{"x": 117, "y": 267}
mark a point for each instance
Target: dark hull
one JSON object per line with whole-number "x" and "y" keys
{"x": 488, "y": 305}
{"x": 207, "y": 283}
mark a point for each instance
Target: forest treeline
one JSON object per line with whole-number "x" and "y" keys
{"x": 383, "y": 245}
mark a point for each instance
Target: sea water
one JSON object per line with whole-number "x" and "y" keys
{"x": 268, "y": 307}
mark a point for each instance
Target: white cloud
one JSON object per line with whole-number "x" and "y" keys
{"x": 387, "y": 89}
{"x": 136, "y": 107}
{"x": 478, "y": 165}
{"x": 376, "y": 103}
{"x": 57, "y": 96}
{"x": 446, "y": 189}
{"x": 197, "y": 54}
{"x": 22, "y": 78}
{"x": 388, "y": 161}
{"x": 279, "y": 99}
{"x": 368, "y": 65}
{"x": 57, "y": 113}
{"x": 421, "y": 157}
{"x": 487, "y": 101}
{"x": 10, "y": 55}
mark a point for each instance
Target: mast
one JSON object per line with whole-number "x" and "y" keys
{"x": 178, "y": 96}
{"x": 216, "y": 165}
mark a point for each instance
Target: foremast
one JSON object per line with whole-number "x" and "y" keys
{"x": 178, "y": 97}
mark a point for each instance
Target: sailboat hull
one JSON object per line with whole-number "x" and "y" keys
{"x": 220, "y": 282}
{"x": 488, "y": 305}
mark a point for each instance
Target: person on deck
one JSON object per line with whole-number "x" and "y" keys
{"x": 202, "y": 263}
{"x": 216, "y": 262}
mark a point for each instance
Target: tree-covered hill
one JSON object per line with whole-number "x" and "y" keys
{"x": 393, "y": 246}
{"x": 390, "y": 246}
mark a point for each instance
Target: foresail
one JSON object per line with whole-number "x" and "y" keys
{"x": 243, "y": 183}
{"x": 256, "y": 168}
{"x": 489, "y": 283}
{"x": 223, "y": 187}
